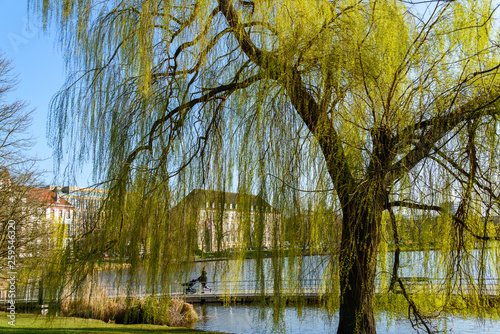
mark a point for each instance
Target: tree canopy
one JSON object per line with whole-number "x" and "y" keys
{"x": 382, "y": 113}
{"x": 19, "y": 227}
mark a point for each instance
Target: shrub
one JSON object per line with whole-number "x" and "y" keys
{"x": 181, "y": 314}
{"x": 151, "y": 310}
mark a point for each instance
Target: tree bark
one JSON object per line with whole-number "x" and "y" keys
{"x": 358, "y": 261}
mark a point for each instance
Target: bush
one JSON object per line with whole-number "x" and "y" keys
{"x": 99, "y": 306}
{"x": 151, "y": 310}
{"x": 181, "y": 314}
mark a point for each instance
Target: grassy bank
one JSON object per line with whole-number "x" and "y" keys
{"x": 30, "y": 323}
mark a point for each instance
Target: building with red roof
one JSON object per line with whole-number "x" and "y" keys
{"x": 57, "y": 209}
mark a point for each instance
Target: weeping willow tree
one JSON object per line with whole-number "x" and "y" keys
{"x": 374, "y": 121}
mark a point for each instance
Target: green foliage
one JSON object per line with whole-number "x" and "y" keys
{"x": 31, "y": 323}
{"x": 361, "y": 122}
{"x": 150, "y": 310}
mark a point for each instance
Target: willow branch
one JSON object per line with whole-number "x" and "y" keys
{"x": 455, "y": 218}
{"x": 436, "y": 128}
{"x": 395, "y": 266}
{"x": 413, "y": 308}
{"x": 211, "y": 94}
{"x": 305, "y": 105}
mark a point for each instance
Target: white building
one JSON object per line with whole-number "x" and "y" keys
{"x": 228, "y": 220}
{"x": 87, "y": 203}
{"x": 57, "y": 209}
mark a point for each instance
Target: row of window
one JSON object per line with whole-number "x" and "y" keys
{"x": 57, "y": 213}
{"x": 227, "y": 216}
{"x": 85, "y": 203}
{"x": 235, "y": 206}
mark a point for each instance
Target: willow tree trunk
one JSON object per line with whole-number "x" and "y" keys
{"x": 358, "y": 260}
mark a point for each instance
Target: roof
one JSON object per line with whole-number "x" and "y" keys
{"x": 47, "y": 197}
{"x": 81, "y": 192}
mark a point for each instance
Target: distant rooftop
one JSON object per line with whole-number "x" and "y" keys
{"x": 47, "y": 197}
{"x": 200, "y": 198}
{"x": 80, "y": 191}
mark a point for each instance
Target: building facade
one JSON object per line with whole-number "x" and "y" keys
{"x": 225, "y": 220}
{"x": 87, "y": 203}
{"x": 56, "y": 210}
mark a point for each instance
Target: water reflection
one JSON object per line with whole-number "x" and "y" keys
{"x": 310, "y": 270}
{"x": 247, "y": 319}
{"x": 252, "y": 319}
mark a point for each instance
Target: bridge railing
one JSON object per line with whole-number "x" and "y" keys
{"x": 490, "y": 286}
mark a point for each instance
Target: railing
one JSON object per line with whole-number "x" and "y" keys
{"x": 488, "y": 287}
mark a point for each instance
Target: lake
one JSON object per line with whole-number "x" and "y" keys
{"x": 251, "y": 319}
{"x": 247, "y": 319}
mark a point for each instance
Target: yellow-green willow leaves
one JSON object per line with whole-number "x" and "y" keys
{"x": 369, "y": 126}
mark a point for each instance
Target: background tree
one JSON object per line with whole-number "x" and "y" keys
{"x": 18, "y": 176}
{"x": 370, "y": 109}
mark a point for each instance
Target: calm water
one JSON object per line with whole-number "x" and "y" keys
{"x": 253, "y": 320}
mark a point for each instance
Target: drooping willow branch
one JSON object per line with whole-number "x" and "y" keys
{"x": 395, "y": 276}
{"x": 435, "y": 129}
{"x": 300, "y": 190}
{"x": 213, "y": 93}
{"x": 290, "y": 79}
{"x": 463, "y": 172}
{"x": 413, "y": 309}
{"x": 397, "y": 251}
{"x": 436, "y": 208}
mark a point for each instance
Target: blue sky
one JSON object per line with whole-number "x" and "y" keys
{"x": 38, "y": 61}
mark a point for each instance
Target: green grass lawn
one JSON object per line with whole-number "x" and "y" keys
{"x": 30, "y": 323}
